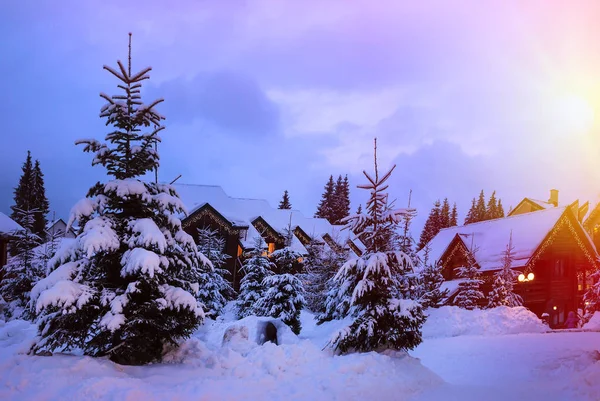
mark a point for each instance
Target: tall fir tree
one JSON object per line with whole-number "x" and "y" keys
{"x": 491, "y": 211}
{"x": 325, "y": 209}
{"x": 256, "y": 268}
{"x": 126, "y": 287}
{"x": 382, "y": 320}
{"x": 480, "y": 208}
{"x": 469, "y": 292}
{"x": 502, "y": 293}
{"x": 23, "y": 198}
{"x": 341, "y": 199}
{"x": 40, "y": 202}
{"x": 471, "y": 216}
{"x": 214, "y": 289}
{"x": 432, "y": 225}
{"x": 500, "y": 209}
{"x": 454, "y": 216}
{"x": 445, "y": 214}
{"x": 285, "y": 201}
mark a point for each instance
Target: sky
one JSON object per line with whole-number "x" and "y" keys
{"x": 263, "y": 96}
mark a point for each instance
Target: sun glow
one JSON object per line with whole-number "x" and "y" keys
{"x": 576, "y": 114}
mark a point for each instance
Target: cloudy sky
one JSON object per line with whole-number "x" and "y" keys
{"x": 263, "y": 95}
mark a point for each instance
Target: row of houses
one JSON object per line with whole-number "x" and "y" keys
{"x": 555, "y": 247}
{"x": 241, "y": 220}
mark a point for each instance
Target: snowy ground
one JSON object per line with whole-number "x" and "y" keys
{"x": 530, "y": 366}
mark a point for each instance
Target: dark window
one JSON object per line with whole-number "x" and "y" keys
{"x": 559, "y": 268}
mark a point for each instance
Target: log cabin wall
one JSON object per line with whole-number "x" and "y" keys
{"x": 231, "y": 244}
{"x": 561, "y": 279}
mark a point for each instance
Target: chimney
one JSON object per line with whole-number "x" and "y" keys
{"x": 553, "y": 197}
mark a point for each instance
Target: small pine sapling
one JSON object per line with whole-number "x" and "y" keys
{"x": 502, "y": 293}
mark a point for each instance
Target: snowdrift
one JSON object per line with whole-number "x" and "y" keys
{"x": 205, "y": 368}
{"x": 451, "y": 321}
{"x": 594, "y": 323}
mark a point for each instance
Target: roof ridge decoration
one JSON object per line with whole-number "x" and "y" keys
{"x": 551, "y": 236}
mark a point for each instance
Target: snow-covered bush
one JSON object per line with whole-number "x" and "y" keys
{"x": 320, "y": 265}
{"x": 430, "y": 281}
{"x": 214, "y": 289}
{"x": 22, "y": 270}
{"x": 256, "y": 268}
{"x": 469, "y": 294}
{"x": 126, "y": 286}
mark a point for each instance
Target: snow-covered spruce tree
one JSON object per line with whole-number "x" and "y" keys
{"x": 287, "y": 260}
{"x": 214, "y": 289}
{"x": 502, "y": 293}
{"x": 256, "y": 268}
{"x": 381, "y": 319}
{"x": 320, "y": 265}
{"x": 284, "y": 295}
{"x": 283, "y": 299}
{"x": 469, "y": 293}
{"x": 126, "y": 286}
{"x": 22, "y": 270}
{"x": 430, "y": 282}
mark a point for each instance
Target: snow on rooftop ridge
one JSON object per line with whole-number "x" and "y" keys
{"x": 8, "y": 225}
{"x": 544, "y": 204}
{"x": 490, "y": 237}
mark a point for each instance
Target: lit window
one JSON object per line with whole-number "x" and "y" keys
{"x": 239, "y": 251}
{"x": 271, "y": 247}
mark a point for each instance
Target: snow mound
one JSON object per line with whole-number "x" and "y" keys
{"x": 451, "y": 321}
{"x": 594, "y": 323}
{"x": 215, "y": 330}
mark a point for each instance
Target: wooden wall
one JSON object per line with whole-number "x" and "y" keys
{"x": 231, "y": 245}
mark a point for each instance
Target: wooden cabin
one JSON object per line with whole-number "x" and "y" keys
{"x": 7, "y": 228}
{"x": 551, "y": 243}
{"x": 240, "y": 221}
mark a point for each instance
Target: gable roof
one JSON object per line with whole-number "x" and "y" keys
{"x": 534, "y": 203}
{"x": 8, "y": 225}
{"x": 490, "y": 237}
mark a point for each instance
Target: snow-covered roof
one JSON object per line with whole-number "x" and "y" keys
{"x": 243, "y": 211}
{"x": 8, "y": 225}
{"x": 542, "y": 204}
{"x": 51, "y": 223}
{"x": 489, "y": 238}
